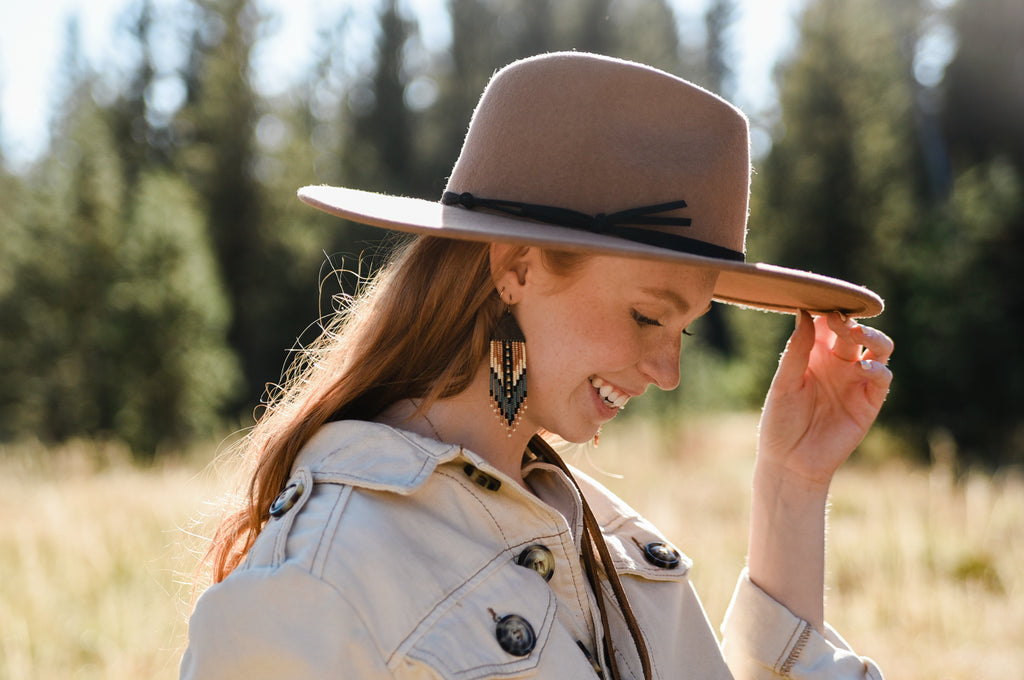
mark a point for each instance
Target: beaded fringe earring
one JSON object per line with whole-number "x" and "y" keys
{"x": 508, "y": 372}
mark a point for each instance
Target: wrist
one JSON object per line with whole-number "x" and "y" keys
{"x": 773, "y": 473}
{"x": 787, "y": 539}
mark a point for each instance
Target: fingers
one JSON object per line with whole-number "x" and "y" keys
{"x": 854, "y": 342}
{"x": 877, "y": 345}
{"x": 864, "y": 348}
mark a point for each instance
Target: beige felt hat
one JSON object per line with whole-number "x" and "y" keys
{"x": 586, "y": 153}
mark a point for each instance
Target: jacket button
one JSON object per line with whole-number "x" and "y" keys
{"x": 515, "y": 635}
{"x": 538, "y": 558}
{"x": 662, "y": 555}
{"x": 286, "y": 500}
{"x": 482, "y": 478}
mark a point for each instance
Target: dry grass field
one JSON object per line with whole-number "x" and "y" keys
{"x": 926, "y": 574}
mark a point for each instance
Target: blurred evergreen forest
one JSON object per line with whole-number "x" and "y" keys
{"x": 156, "y": 266}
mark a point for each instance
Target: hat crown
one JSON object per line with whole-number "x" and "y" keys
{"x": 600, "y": 135}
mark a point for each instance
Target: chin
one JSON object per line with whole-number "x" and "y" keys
{"x": 576, "y": 436}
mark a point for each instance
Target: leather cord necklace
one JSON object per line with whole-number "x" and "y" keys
{"x": 593, "y": 540}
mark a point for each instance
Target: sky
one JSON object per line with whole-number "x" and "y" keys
{"x": 32, "y": 36}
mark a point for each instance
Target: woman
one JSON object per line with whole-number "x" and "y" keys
{"x": 405, "y": 519}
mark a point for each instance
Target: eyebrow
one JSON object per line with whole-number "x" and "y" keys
{"x": 672, "y": 297}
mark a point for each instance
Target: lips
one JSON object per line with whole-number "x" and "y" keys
{"x": 612, "y": 397}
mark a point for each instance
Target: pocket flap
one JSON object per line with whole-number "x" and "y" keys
{"x": 496, "y": 625}
{"x": 637, "y": 548}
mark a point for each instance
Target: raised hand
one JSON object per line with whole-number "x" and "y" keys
{"x": 830, "y": 384}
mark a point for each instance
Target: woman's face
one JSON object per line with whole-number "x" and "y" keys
{"x": 598, "y": 337}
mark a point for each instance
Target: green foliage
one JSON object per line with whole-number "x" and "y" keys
{"x": 380, "y": 151}
{"x": 156, "y": 264}
{"x": 984, "y": 83}
{"x": 64, "y": 240}
{"x": 111, "y": 317}
{"x": 840, "y": 181}
{"x": 959, "y": 299}
{"x": 839, "y": 193}
{"x": 854, "y": 187}
{"x": 171, "y": 316}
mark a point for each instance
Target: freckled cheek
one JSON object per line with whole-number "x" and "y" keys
{"x": 613, "y": 348}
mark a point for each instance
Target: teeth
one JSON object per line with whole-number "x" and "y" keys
{"x": 611, "y": 397}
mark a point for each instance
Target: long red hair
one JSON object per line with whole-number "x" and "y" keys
{"x": 419, "y": 329}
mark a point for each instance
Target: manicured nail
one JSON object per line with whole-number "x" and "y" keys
{"x": 865, "y": 364}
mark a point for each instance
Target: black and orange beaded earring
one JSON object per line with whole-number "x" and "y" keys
{"x": 508, "y": 371}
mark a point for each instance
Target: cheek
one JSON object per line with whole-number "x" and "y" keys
{"x": 571, "y": 337}
{"x": 594, "y": 345}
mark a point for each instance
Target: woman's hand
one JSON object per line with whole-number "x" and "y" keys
{"x": 829, "y": 387}
{"x": 830, "y": 384}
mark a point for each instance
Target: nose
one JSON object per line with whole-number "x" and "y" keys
{"x": 660, "y": 364}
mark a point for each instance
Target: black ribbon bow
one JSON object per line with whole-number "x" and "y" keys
{"x": 614, "y": 224}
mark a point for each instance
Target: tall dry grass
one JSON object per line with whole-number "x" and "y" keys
{"x": 93, "y": 563}
{"x": 925, "y": 568}
{"x": 925, "y": 573}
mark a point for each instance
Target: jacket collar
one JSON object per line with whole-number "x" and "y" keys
{"x": 375, "y": 456}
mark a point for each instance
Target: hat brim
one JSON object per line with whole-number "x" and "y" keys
{"x": 757, "y": 285}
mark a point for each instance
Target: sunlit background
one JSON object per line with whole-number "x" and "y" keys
{"x": 33, "y": 37}
{"x": 156, "y": 270}
{"x": 886, "y": 137}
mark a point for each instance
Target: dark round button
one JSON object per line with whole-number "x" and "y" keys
{"x": 286, "y": 500}
{"x": 662, "y": 555}
{"x": 482, "y": 478}
{"x": 515, "y": 635}
{"x": 538, "y": 558}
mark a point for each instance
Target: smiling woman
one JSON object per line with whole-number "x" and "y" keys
{"x": 395, "y": 528}
{"x": 615, "y": 326}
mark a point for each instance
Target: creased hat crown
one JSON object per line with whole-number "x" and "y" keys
{"x": 600, "y": 135}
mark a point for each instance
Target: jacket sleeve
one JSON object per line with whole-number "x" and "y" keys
{"x": 763, "y": 640}
{"x": 277, "y": 623}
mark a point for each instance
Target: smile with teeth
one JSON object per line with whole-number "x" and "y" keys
{"x": 611, "y": 397}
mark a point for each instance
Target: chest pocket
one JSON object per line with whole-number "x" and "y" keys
{"x": 496, "y": 625}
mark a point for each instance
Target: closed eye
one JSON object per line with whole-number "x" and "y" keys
{"x": 642, "y": 320}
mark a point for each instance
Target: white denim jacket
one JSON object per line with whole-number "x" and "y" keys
{"x": 396, "y": 556}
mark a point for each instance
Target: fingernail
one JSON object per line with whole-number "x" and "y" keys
{"x": 865, "y": 364}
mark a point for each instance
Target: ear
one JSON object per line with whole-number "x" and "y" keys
{"x": 511, "y": 266}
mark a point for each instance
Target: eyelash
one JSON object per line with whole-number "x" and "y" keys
{"x": 642, "y": 320}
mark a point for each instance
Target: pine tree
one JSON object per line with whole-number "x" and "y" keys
{"x": 216, "y": 151}
{"x": 962, "y": 287}
{"x": 380, "y": 152}
{"x": 839, "y": 189}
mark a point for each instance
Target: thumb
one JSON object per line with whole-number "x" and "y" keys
{"x": 796, "y": 356}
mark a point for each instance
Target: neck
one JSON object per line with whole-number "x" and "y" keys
{"x": 466, "y": 419}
